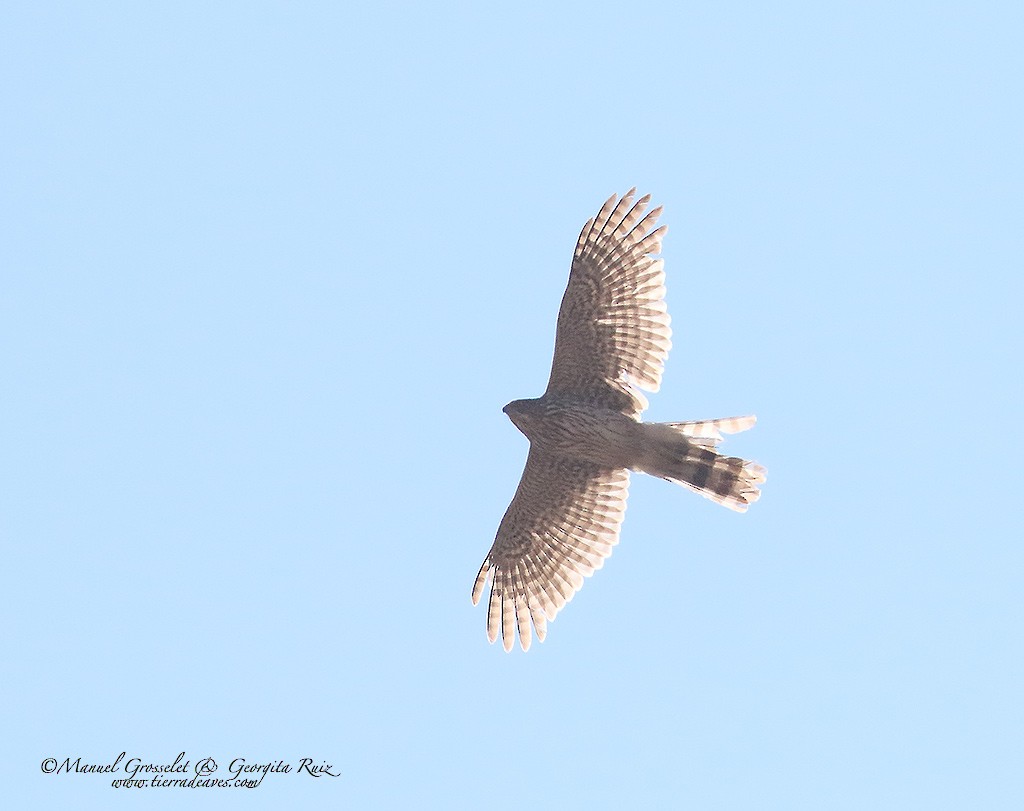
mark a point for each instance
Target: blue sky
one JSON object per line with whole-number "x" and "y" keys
{"x": 270, "y": 272}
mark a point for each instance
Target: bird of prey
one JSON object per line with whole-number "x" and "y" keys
{"x": 585, "y": 432}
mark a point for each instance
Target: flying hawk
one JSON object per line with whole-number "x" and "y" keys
{"x": 585, "y": 432}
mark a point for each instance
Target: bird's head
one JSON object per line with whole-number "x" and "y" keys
{"x": 523, "y": 413}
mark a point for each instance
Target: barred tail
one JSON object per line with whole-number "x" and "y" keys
{"x": 685, "y": 453}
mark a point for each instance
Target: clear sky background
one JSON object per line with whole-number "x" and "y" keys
{"x": 271, "y": 270}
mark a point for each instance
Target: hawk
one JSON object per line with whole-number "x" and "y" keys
{"x": 585, "y": 432}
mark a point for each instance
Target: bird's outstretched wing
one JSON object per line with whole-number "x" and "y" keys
{"x": 613, "y": 327}
{"x": 559, "y": 528}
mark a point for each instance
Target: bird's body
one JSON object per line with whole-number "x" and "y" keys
{"x": 585, "y": 431}
{"x": 599, "y": 435}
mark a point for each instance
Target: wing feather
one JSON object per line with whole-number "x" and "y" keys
{"x": 613, "y": 326}
{"x": 562, "y": 524}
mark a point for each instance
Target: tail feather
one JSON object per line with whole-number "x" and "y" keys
{"x": 712, "y": 430}
{"x": 684, "y": 453}
{"x": 730, "y": 481}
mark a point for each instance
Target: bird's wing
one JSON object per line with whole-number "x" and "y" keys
{"x": 559, "y": 528}
{"x": 613, "y": 327}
